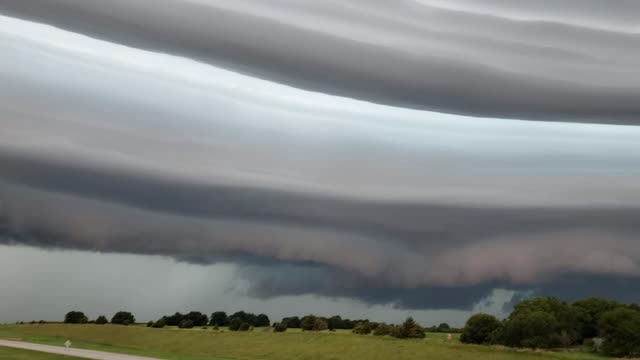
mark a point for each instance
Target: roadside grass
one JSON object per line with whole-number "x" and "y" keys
{"x": 201, "y": 344}
{"x": 18, "y": 354}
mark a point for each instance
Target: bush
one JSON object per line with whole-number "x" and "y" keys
{"x": 382, "y": 329}
{"x": 186, "y": 324}
{"x": 101, "y": 320}
{"x": 408, "y": 329}
{"x": 307, "y": 322}
{"x": 279, "y": 327}
{"x": 160, "y": 323}
{"x": 479, "y": 329}
{"x": 123, "y": 318}
{"x": 362, "y": 328}
{"x": 620, "y": 330}
{"x": 292, "y": 322}
{"x": 235, "y": 324}
{"x": 262, "y": 320}
{"x": 244, "y": 327}
{"x": 75, "y": 317}
{"x": 320, "y": 325}
{"x": 150, "y": 324}
{"x": 219, "y": 318}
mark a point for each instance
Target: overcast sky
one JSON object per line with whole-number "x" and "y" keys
{"x": 366, "y": 158}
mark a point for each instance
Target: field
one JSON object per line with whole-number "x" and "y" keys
{"x": 16, "y": 354}
{"x": 199, "y": 344}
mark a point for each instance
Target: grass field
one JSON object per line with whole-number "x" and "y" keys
{"x": 199, "y": 344}
{"x": 16, "y": 354}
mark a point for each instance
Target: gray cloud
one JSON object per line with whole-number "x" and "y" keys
{"x": 569, "y": 62}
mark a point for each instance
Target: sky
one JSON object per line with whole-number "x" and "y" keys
{"x": 372, "y": 159}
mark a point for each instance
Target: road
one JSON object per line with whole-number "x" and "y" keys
{"x": 86, "y": 354}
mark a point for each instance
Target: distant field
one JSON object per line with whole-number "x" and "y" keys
{"x": 16, "y": 354}
{"x": 199, "y": 344}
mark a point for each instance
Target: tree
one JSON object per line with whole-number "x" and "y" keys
{"x": 262, "y": 320}
{"x": 479, "y": 329}
{"x": 197, "y": 318}
{"x": 160, "y": 323}
{"x": 101, "y": 320}
{"x": 307, "y": 322}
{"x": 75, "y": 317}
{"x": 620, "y": 330}
{"x": 174, "y": 320}
{"x": 235, "y": 324}
{"x": 186, "y": 324}
{"x": 292, "y": 322}
{"x": 443, "y": 327}
{"x": 249, "y": 318}
{"x": 408, "y": 329}
{"x": 244, "y": 327}
{"x": 219, "y": 318}
{"x": 590, "y": 311}
{"x": 279, "y": 327}
{"x": 123, "y": 318}
{"x": 320, "y": 324}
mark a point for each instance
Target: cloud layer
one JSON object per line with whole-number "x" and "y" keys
{"x": 114, "y": 149}
{"x": 574, "y": 61}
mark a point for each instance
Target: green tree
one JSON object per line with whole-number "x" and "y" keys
{"x": 197, "y": 318}
{"x": 382, "y": 329}
{"x": 219, "y": 318}
{"x": 262, "y": 320}
{"x": 160, "y": 323}
{"x": 620, "y": 330}
{"x": 292, "y": 322}
{"x": 443, "y": 327}
{"x": 408, "y": 329}
{"x": 479, "y": 329}
{"x": 244, "y": 327}
{"x": 123, "y": 318}
{"x": 590, "y": 311}
{"x": 75, "y": 317}
{"x": 101, "y": 320}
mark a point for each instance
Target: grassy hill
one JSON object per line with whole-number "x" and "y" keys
{"x": 199, "y": 344}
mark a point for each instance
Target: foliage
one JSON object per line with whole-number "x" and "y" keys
{"x": 292, "y": 322}
{"x": 479, "y": 329}
{"x": 620, "y": 330}
{"x": 320, "y": 325}
{"x": 123, "y": 318}
{"x": 382, "y": 329}
{"x": 589, "y": 312}
{"x": 244, "y": 327}
{"x": 362, "y": 328}
{"x": 219, "y": 318}
{"x": 262, "y": 320}
{"x": 197, "y": 318}
{"x": 235, "y": 324}
{"x": 101, "y": 320}
{"x": 186, "y": 324}
{"x": 160, "y": 323}
{"x": 279, "y": 327}
{"x": 443, "y": 327}
{"x": 408, "y": 329}
{"x": 75, "y": 317}
{"x": 307, "y": 322}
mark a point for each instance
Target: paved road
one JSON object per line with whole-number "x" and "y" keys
{"x": 86, "y": 354}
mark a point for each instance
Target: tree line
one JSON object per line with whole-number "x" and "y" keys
{"x": 602, "y": 325}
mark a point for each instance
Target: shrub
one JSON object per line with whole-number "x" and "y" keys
{"x": 320, "y": 325}
{"x": 186, "y": 324}
{"x": 362, "y": 328}
{"x": 150, "y": 324}
{"x": 479, "y": 329}
{"x": 408, "y": 329}
{"x": 123, "y": 318}
{"x": 262, "y": 320}
{"x": 308, "y": 322}
{"x": 235, "y": 324}
{"x": 245, "y": 327}
{"x": 101, "y": 320}
{"x": 279, "y": 327}
{"x": 382, "y": 329}
{"x": 160, "y": 323}
{"x": 219, "y": 318}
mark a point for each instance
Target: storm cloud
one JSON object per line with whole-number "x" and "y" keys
{"x": 126, "y": 129}
{"x": 574, "y": 61}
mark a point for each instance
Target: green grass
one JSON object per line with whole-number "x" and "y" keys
{"x": 17, "y": 354}
{"x": 200, "y": 344}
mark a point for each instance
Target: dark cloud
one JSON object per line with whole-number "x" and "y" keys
{"x": 464, "y": 60}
